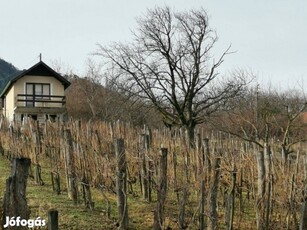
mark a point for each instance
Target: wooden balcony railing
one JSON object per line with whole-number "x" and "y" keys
{"x": 29, "y": 100}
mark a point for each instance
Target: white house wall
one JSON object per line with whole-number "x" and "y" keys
{"x": 10, "y": 104}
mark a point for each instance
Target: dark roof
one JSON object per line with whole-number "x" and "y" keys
{"x": 39, "y": 69}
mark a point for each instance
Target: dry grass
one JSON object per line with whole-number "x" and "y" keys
{"x": 95, "y": 158}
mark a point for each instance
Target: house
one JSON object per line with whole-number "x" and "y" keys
{"x": 37, "y": 92}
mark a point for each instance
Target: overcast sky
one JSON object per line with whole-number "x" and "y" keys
{"x": 269, "y": 36}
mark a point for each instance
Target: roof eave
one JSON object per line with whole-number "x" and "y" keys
{"x": 59, "y": 77}
{"x": 5, "y": 89}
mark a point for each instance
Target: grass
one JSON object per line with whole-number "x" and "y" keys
{"x": 41, "y": 199}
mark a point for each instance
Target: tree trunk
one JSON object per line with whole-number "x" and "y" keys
{"x": 190, "y": 130}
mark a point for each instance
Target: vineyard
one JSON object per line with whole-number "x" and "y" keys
{"x": 111, "y": 175}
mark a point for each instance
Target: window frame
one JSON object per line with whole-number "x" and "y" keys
{"x": 34, "y": 94}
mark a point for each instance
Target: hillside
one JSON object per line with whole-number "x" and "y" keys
{"x": 216, "y": 179}
{"x": 6, "y": 71}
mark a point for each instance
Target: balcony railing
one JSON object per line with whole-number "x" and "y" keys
{"x": 29, "y": 100}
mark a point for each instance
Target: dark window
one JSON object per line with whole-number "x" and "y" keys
{"x": 36, "y": 91}
{"x": 33, "y": 116}
{"x": 52, "y": 118}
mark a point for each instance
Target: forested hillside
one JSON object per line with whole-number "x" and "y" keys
{"x": 6, "y": 70}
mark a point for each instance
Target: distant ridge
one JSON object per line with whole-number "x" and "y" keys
{"x": 7, "y": 72}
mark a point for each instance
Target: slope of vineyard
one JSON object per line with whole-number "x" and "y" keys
{"x": 188, "y": 169}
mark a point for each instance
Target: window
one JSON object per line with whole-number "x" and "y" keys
{"x": 46, "y": 90}
{"x": 36, "y": 91}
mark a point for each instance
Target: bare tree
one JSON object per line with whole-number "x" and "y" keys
{"x": 293, "y": 105}
{"x": 62, "y": 68}
{"x": 261, "y": 115}
{"x": 169, "y": 63}
{"x": 93, "y": 88}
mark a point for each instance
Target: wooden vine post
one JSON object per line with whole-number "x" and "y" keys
{"x": 146, "y": 167}
{"x": 15, "y": 202}
{"x": 161, "y": 191}
{"x": 56, "y": 182}
{"x": 37, "y": 151}
{"x": 261, "y": 190}
{"x": 71, "y": 175}
{"x": 268, "y": 184}
{"x": 53, "y": 219}
{"x": 213, "y": 215}
{"x": 303, "y": 211}
{"x": 202, "y": 220}
{"x": 121, "y": 184}
{"x": 230, "y": 207}
{"x": 144, "y": 171}
{"x": 206, "y": 156}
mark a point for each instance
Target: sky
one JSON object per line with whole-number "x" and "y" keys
{"x": 268, "y": 37}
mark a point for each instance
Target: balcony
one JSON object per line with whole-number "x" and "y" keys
{"x": 27, "y": 103}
